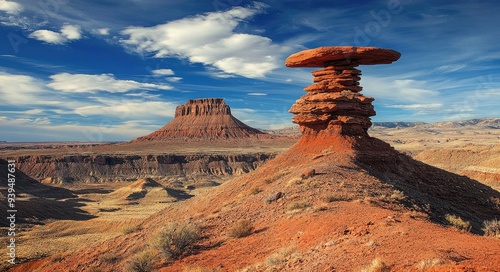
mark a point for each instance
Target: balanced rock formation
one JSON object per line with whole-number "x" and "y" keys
{"x": 207, "y": 119}
{"x": 334, "y": 103}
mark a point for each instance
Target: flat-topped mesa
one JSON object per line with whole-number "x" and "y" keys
{"x": 203, "y": 106}
{"x": 205, "y": 119}
{"x": 333, "y": 103}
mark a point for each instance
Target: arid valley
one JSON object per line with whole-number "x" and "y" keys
{"x": 96, "y": 207}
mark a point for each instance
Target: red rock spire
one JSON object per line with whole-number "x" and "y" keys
{"x": 334, "y": 103}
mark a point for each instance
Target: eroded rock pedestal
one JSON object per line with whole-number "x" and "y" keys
{"x": 334, "y": 105}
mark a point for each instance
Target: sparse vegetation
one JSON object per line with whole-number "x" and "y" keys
{"x": 57, "y": 258}
{"x": 142, "y": 262}
{"x": 458, "y": 222}
{"x": 276, "y": 176}
{"x": 377, "y": 265}
{"x": 281, "y": 256}
{"x": 492, "y": 228}
{"x": 398, "y": 195}
{"x": 242, "y": 228}
{"x": 422, "y": 265}
{"x": 128, "y": 229}
{"x": 108, "y": 258}
{"x": 200, "y": 269}
{"x": 255, "y": 190}
{"x": 298, "y": 206}
{"x": 294, "y": 181}
{"x": 335, "y": 197}
{"x": 177, "y": 239}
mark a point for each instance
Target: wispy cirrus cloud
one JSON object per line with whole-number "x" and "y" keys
{"x": 37, "y": 103}
{"x": 210, "y": 39}
{"x": 86, "y": 83}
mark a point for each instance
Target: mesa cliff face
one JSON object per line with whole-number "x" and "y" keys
{"x": 203, "y": 119}
{"x": 104, "y": 168}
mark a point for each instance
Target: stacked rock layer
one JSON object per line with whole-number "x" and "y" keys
{"x": 334, "y": 100}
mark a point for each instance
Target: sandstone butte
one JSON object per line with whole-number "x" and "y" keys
{"x": 205, "y": 119}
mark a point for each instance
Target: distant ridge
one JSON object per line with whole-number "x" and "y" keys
{"x": 398, "y": 124}
{"x": 203, "y": 119}
{"x": 492, "y": 123}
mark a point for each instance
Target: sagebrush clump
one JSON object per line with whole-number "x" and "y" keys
{"x": 177, "y": 239}
{"x": 492, "y": 228}
{"x": 242, "y": 228}
{"x": 141, "y": 262}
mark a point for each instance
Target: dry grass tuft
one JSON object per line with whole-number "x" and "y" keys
{"x": 141, "y": 262}
{"x": 335, "y": 197}
{"x": 242, "y": 228}
{"x": 492, "y": 228}
{"x": 377, "y": 265}
{"x": 398, "y": 195}
{"x": 422, "y": 265}
{"x": 298, "y": 206}
{"x": 128, "y": 229}
{"x": 255, "y": 190}
{"x": 458, "y": 222}
{"x": 281, "y": 256}
{"x": 294, "y": 181}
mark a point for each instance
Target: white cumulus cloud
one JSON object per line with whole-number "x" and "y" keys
{"x": 210, "y": 39}
{"x": 82, "y": 83}
{"x": 66, "y": 34}
{"x": 10, "y": 7}
{"x": 103, "y": 31}
{"x": 163, "y": 72}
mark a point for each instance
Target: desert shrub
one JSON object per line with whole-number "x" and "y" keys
{"x": 128, "y": 229}
{"x": 109, "y": 258}
{"x": 281, "y": 256}
{"x": 335, "y": 197}
{"x": 492, "y": 228}
{"x": 176, "y": 239}
{"x": 242, "y": 228}
{"x": 457, "y": 222}
{"x": 276, "y": 176}
{"x": 429, "y": 263}
{"x": 298, "y": 206}
{"x": 398, "y": 195}
{"x": 255, "y": 190}
{"x": 294, "y": 181}
{"x": 142, "y": 262}
{"x": 377, "y": 265}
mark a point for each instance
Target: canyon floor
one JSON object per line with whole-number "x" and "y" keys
{"x": 346, "y": 217}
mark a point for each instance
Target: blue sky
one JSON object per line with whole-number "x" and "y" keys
{"x": 74, "y": 70}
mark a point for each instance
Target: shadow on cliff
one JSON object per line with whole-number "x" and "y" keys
{"x": 36, "y": 202}
{"x": 437, "y": 191}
